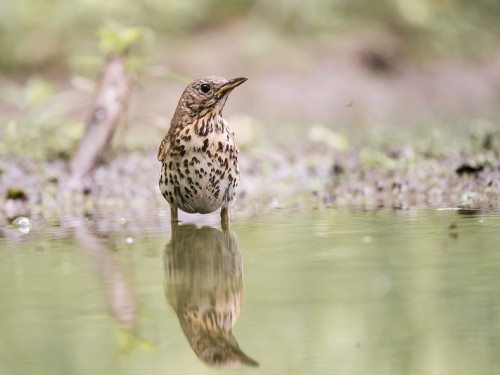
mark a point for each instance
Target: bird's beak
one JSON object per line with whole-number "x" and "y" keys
{"x": 231, "y": 84}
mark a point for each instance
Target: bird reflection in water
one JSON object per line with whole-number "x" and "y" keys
{"x": 204, "y": 286}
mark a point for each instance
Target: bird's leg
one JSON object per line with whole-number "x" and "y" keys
{"x": 224, "y": 218}
{"x": 174, "y": 218}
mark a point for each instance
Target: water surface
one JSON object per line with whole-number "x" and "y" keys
{"x": 292, "y": 292}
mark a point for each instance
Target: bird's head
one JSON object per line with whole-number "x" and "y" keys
{"x": 207, "y": 94}
{"x": 220, "y": 350}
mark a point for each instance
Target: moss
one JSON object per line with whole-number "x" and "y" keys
{"x": 16, "y": 194}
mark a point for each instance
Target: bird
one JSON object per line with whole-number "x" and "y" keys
{"x": 199, "y": 154}
{"x": 204, "y": 286}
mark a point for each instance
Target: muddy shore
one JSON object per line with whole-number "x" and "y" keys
{"x": 310, "y": 175}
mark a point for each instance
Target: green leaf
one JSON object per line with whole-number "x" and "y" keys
{"x": 114, "y": 39}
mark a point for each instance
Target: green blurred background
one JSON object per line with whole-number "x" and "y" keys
{"x": 46, "y": 33}
{"x": 357, "y": 66}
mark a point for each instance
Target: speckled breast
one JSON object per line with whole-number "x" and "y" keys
{"x": 200, "y": 172}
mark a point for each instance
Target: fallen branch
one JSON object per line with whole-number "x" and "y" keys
{"x": 109, "y": 106}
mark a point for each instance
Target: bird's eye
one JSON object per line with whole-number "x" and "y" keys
{"x": 205, "y": 87}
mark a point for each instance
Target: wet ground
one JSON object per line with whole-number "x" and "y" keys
{"x": 323, "y": 171}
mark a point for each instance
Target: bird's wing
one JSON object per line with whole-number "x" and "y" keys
{"x": 233, "y": 138}
{"x": 162, "y": 150}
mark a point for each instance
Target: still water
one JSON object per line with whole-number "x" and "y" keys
{"x": 295, "y": 292}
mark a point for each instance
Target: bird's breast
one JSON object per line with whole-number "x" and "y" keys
{"x": 200, "y": 172}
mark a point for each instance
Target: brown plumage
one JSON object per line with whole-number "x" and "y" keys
{"x": 199, "y": 155}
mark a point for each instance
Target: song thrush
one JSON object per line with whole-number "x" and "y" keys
{"x": 199, "y": 155}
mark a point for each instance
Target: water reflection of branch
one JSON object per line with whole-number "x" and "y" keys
{"x": 204, "y": 286}
{"x": 120, "y": 297}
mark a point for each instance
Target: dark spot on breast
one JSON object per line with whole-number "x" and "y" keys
{"x": 205, "y": 145}
{"x": 181, "y": 150}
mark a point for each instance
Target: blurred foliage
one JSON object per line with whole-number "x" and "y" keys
{"x": 322, "y": 134}
{"x": 42, "y": 32}
{"x": 47, "y": 112}
{"x": 133, "y": 43}
{"x": 46, "y": 115}
{"x": 35, "y": 34}
{"x": 116, "y": 40}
